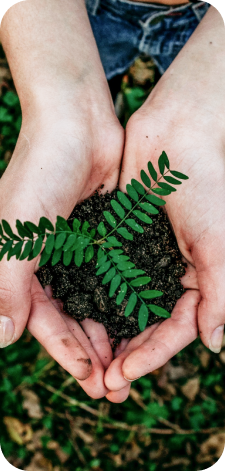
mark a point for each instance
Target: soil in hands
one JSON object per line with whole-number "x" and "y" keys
{"x": 81, "y": 291}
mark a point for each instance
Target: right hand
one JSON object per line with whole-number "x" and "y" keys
{"x": 57, "y": 163}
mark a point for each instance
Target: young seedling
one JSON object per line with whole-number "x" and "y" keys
{"x": 81, "y": 243}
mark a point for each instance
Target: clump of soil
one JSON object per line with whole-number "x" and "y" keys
{"x": 83, "y": 295}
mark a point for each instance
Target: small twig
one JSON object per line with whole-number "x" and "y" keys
{"x": 174, "y": 429}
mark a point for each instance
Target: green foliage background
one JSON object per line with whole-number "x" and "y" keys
{"x": 158, "y": 427}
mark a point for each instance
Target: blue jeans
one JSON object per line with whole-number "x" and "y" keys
{"x": 124, "y": 29}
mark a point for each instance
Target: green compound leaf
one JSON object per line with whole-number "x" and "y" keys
{"x": 124, "y": 200}
{"x": 145, "y": 178}
{"x": 115, "y": 252}
{"x": 132, "y": 273}
{"x": 132, "y": 301}
{"x": 32, "y": 227}
{"x": 123, "y": 291}
{"x": 172, "y": 180}
{"x": 60, "y": 239}
{"x": 132, "y": 192}
{"x": 125, "y": 233}
{"x": 67, "y": 257}
{"x": 62, "y": 225}
{"x": 56, "y": 256}
{"x": 101, "y": 260}
{"x": 100, "y": 254}
{"x": 165, "y": 186}
{"x": 143, "y": 317}
{"x": 9, "y": 231}
{"x": 160, "y": 191}
{"x": 16, "y": 250}
{"x": 115, "y": 283}
{"x": 49, "y": 244}
{"x": 142, "y": 216}
{"x": 109, "y": 275}
{"x": 152, "y": 171}
{"x": 1, "y": 231}
{"x": 138, "y": 186}
{"x": 159, "y": 311}
{"x": 103, "y": 268}
{"x": 81, "y": 243}
{"x": 125, "y": 266}
{"x": 78, "y": 258}
{"x": 162, "y": 162}
{"x": 110, "y": 218}
{"x": 85, "y": 228}
{"x": 44, "y": 258}
{"x": 6, "y": 248}
{"x": 149, "y": 208}
{"x": 112, "y": 242}
{"x": 89, "y": 254}
{"x": 120, "y": 258}
{"x": 150, "y": 294}
{"x": 179, "y": 175}
{"x": 22, "y": 231}
{"x": 37, "y": 246}
{"x": 44, "y": 224}
{"x": 70, "y": 242}
{"x": 144, "y": 280}
{"x": 102, "y": 229}
{"x": 27, "y": 250}
{"x": 76, "y": 225}
{"x": 134, "y": 225}
{"x": 92, "y": 233}
{"x": 118, "y": 209}
{"x": 155, "y": 200}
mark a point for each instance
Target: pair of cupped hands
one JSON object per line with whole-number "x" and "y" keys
{"x": 58, "y": 162}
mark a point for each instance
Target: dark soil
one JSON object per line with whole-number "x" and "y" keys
{"x": 81, "y": 291}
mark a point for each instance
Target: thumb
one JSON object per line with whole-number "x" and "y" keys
{"x": 15, "y": 299}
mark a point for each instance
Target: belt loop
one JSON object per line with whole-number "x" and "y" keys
{"x": 92, "y": 6}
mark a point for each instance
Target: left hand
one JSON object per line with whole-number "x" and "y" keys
{"x": 184, "y": 115}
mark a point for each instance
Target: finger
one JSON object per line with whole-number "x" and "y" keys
{"x": 114, "y": 379}
{"x": 94, "y": 385}
{"x": 190, "y": 280}
{"x": 121, "y": 347}
{"x": 167, "y": 340}
{"x": 182, "y": 326}
{"x": 210, "y": 266}
{"x": 99, "y": 340}
{"x": 15, "y": 299}
{"x": 48, "y": 327}
{"x": 119, "y": 396}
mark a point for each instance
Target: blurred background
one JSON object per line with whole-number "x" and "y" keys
{"x": 173, "y": 418}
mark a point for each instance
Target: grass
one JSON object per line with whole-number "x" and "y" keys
{"x": 173, "y": 418}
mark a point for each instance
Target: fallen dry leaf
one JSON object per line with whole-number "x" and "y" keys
{"x": 32, "y": 404}
{"x": 191, "y": 388}
{"x": 213, "y": 447}
{"x": 39, "y": 463}
{"x": 204, "y": 358}
{"x": 19, "y": 433}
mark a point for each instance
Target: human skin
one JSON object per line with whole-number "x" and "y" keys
{"x": 184, "y": 116}
{"x": 70, "y": 144}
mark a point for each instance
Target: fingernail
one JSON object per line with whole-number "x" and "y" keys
{"x": 131, "y": 380}
{"x": 216, "y": 340}
{"x": 6, "y": 331}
